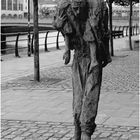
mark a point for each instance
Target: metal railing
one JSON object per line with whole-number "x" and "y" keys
{"x": 16, "y": 47}
{"x": 124, "y": 31}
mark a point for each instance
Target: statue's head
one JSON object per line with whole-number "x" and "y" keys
{"x": 78, "y": 7}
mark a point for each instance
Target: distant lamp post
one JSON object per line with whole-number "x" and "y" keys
{"x": 29, "y": 36}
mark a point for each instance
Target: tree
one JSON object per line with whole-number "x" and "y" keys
{"x": 110, "y": 23}
{"x": 36, "y": 43}
{"x": 128, "y": 3}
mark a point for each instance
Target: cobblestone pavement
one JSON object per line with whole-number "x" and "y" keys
{"x": 119, "y": 98}
{"x": 116, "y": 76}
{"x": 33, "y": 130}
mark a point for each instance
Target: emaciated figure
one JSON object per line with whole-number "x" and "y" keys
{"x": 84, "y": 26}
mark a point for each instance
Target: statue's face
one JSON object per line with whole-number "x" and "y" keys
{"x": 78, "y": 7}
{"x": 76, "y": 11}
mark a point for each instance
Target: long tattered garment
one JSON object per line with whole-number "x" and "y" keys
{"x": 86, "y": 91}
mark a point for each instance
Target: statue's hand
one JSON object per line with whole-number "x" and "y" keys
{"x": 60, "y": 20}
{"x": 66, "y": 57}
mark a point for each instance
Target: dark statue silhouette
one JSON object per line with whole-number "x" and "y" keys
{"x": 84, "y": 25}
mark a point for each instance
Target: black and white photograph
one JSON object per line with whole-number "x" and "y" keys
{"x": 70, "y": 69}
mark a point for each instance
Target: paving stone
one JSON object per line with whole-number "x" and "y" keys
{"x": 69, "y": 135}
{"x": 134, "y": 131}
{"x": 114, "y": 138}
{"x": 19, "y": 138}
{"x": 126, "y": 136}
{"x": 117, "y": 134}
{"x": 104, "y": 135}
{"x": 103, "y": 132}
{"x": 5, "y": 133}
{"x": 120, "y": 79}
{"x": 10, "y": 136}
{"x": 135, "y": 136}
{"x": 26, "y": 134}
{"x": 48, "y": 135}
{"x": 65, "y": 138}
{"x": 41, "y": 131}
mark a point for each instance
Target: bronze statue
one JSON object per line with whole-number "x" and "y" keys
{"x": 84, "y": 25}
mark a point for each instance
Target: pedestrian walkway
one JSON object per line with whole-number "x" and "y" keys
{"x": 43, "y": 111}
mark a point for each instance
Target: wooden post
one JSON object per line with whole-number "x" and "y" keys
{"x": 36, "y": 43}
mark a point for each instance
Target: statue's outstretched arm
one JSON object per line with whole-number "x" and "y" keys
{"x": 67, "y": 53}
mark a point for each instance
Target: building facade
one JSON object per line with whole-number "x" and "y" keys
{"x": 120, "y": 12}
{"x": 15, "y": 8}
{"x": 19, "y": 9}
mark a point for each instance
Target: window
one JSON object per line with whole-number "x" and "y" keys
{"x": 3, "y": 4}
{"x": 20, "y": 6}
{"x": 14, "y": 4}
{"x": 9, "y": 4}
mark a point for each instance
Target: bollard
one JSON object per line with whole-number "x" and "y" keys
{"x": 16, "y": 46}
{"x": 57, "y": 41}
{"x": 46, "y": 49}
{"x": 32, "y": 46}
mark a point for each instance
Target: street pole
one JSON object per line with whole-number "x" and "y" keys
{"x": 36, "y": 43}
{"x": 29, "y": 37}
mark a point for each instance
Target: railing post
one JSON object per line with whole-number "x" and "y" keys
{"x": 119, "y": 30}
{"x": 57, "y": 41}
{"x": 133, "y": 28}
{"x": 3, "y": 43}
{"x": 16, "y": 46}
{"x": 114, "y": 32}
{"x": 127, "y": 31}
{"x": 32, "y": 42}
{"x": 123, "y": 30}
{"x": 136, "y": 29}
{"x": 46, "y": 49}
{"x": 29, "y": 44}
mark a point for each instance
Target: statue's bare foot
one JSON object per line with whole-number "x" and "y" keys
{"x": 84, "y": 136}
